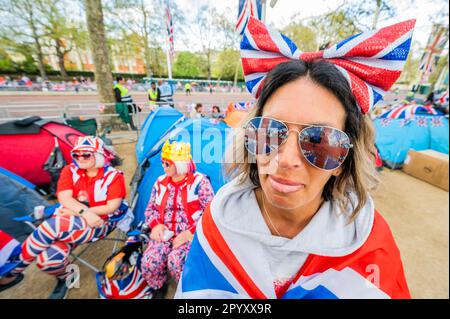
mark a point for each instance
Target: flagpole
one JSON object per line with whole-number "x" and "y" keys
{"x": 169, "y": 35}
{"x": 169, "y": 63}
{"x": 263, "y": 9}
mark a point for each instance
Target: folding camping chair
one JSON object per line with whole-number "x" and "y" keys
{"x": 33, "y": 223}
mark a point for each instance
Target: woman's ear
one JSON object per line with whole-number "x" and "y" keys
{"x": 337, "y": 172}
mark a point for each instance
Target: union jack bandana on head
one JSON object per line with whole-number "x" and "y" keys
{"x": 371, "y": 61}
{"x": 89, "y": 144}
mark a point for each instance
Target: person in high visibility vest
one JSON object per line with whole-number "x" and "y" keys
{"x": 154, "y": 95}
{"x": 187, "y": 88}
{"x": 166, "y": 92}
{"x": 124, "y": 103}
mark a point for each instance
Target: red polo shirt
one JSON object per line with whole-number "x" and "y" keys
{"x": 83, "y": 189}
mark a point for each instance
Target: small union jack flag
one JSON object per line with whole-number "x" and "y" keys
{"x": 421, "y": 121}
{"x": 436, "y": 43}
{"x": 247, "y": 9}
{"x": 437, "y": 121}
{"x": 404, "y": 122}
{"x": 371, "y": 61}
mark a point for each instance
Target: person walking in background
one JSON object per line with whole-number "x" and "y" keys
{"x": 124, "y": 103}
{"x": 154, "y": 96}
{"x": 187, "y": 88}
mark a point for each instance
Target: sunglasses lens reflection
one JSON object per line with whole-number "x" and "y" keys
{"x": 323, "y": 147}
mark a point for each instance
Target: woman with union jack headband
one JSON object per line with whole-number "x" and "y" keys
{"x": 90, "y": 191}
{"x": 297, "y": 219}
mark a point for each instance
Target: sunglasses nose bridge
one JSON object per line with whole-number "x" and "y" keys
{"x": 289, "y": 152}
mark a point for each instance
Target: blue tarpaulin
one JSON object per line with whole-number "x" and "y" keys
{"x": 152, "y": 130}
{"x": 395, "y": 137}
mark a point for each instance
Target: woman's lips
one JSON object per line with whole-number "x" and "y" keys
{"x": 283, "y": 185}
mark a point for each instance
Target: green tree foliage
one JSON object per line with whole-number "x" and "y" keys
{"x": 334, "y": 27}
{"x": 187, "y": 64}
{"x": 228, "y": 61}
{"x": 7, "y": 65}
{"x": 303, "y": 36}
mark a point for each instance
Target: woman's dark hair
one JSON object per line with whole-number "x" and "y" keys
{"x": 357, "y": 168}
{"x": 215, "y": 107}
{"x": 198, "y": 105}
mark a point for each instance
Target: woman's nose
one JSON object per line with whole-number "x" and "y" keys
{"x": 289, "y": 153}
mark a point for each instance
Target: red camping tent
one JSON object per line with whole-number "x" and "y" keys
{"x": 26, "y": 145}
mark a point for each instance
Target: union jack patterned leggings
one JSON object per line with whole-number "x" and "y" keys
{"x": 160, "y": 256}
{"x": 51, "y": 243}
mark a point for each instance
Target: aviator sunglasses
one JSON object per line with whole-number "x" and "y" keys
{"x": 85, "y": 156}
{"x": 324, "y": 147}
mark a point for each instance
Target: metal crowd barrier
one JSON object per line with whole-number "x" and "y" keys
{"x": 61, "y": 112}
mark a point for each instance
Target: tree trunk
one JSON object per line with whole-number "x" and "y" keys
{"x": 60, "y": 56}
{"x": 236, "y": 71}
{"x": 376, "y": 14}
{"x": 208, "y": 61}
{"x": 96, "y": 28}
{"x": 147, "y": 57}
{"x": 147, "y": 53}
{"x": 40, "y": 55}
{"x": 40, "y": 58}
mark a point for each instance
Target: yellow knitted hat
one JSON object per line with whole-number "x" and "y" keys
{"x": 176, "y": 152}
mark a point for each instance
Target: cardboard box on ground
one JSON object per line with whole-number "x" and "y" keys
{"x": 429, "y": 166}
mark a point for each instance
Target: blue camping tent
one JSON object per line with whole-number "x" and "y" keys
{"x": 157, "y": 123}
{"x": 18, "y": 197}
{"x": 208, "y": 140}
{"x": 394, "y": 137}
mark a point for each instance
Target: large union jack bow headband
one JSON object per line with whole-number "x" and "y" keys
{"x": 371, "y": 61}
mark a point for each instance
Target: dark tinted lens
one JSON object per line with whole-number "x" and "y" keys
{"x": 84, "y": 156}
{"x": 264, "y": 135}
{"x": 324, "y": 147}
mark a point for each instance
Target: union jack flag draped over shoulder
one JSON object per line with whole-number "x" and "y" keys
{"x": 169, "y": 30}
{"x": 371, "y": 61}
{"x": 247, "y": 9}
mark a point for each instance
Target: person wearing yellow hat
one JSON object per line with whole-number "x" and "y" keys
{"x": 177, "y": 201}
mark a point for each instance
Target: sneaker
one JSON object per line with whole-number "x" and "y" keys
{"x": 60, "y": 290}
{"x": 12, "y": 283}
{"x": 160, "y": 293}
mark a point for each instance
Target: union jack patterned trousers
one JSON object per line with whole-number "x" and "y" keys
{"x": 51, "y": 243}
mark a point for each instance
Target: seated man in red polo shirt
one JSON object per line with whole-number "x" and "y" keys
{"x": 89, "y": 191}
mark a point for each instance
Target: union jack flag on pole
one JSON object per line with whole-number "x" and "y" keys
{"x": 436, "y": 43}
{"x": 247, "y": 9}
{"x": 169, "y": 30}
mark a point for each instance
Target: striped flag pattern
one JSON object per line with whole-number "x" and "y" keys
{"x": 371, "y": 61}
{"x": 247, "y": 9}
{"x": 169, "y": 27}
{"x": 409, "y": 111}
{"x": 436, "y": 43}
